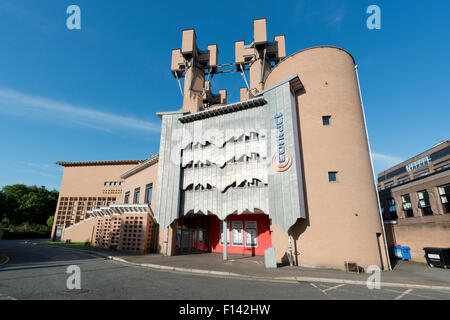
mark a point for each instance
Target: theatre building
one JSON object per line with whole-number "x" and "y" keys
{"x": 286, "y": 167}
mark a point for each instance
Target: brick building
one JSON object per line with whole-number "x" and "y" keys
{"x": 414, "y": 197}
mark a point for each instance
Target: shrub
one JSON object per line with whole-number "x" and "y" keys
{"x": 27, "y": 227}
{"x": 26, "y": 231}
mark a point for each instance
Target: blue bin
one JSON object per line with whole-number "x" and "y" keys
{"x": 402, "y": 252}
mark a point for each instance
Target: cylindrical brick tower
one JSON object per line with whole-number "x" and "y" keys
{"x": 343, "y": 222}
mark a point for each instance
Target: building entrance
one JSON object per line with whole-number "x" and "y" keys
{"x": 192, "y": 235}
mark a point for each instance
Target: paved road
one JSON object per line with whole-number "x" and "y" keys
{"x": 38, "y": 271}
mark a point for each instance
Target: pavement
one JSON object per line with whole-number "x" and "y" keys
{"x": 406, "y": 274}
{"x": 36, "y": 270}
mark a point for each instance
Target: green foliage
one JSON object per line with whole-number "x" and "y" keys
{"x": 50, "y": 222}
{"x": 27, "y": 227}
{"x": 21, "y": 204}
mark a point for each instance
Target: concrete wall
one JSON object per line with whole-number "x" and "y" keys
{"x": 80, "y": 232}
{"x": 343, "y": 217}
{"x": 162, "y": 236}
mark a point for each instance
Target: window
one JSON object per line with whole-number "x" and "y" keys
{"x": 127, "y": 197}
{"x": 148, "y": 193}
{"x": 237, "y": 234}
{"x": 326, "y": 120}
{"x": 422, "y": 173}
{"x": 332, "y": 176}
{"x": 424, "y": 203}
{"x": 392, "y": 211}
{"x": 392, "y": 207}
{"x": 137, "y": 193}
{"x": 444, "y": 194}
{"x": 406, "y": 206}
{"x": 251, "y": 234}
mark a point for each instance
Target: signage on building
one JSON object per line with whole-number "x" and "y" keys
{"x": 281, "y": 161}
{"x": 419, "y": 163}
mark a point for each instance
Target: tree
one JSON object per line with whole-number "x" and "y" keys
{"x": 2, "y": 206}
{"x": 20, "y": 203}
{"x": 50, "y": 222}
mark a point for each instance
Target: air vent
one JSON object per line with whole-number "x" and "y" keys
{"x": 351, "y": 267}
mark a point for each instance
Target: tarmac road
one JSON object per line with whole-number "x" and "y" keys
{"x": 34, "y": 270}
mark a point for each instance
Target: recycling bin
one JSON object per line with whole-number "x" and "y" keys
{"x": 402, "y": 252}
{"x": 438, "y": 257}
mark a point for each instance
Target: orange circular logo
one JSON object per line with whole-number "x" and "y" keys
{"x": 281, "y": 167}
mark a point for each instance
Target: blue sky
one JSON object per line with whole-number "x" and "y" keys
{"x": 92, "y": 94}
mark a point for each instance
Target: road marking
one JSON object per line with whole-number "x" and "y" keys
{"x": 3, "y": 297}
{"x": 335, "y": 287}
{"x": 208, "y": 275}
{"x": 318, "y": 288}
{"x": 403, "y": 294}
{"x": 415, "y": 294}
{"x": 4, "y": 260}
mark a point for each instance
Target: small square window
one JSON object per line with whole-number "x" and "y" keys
{"x": 326, "y": 120}
{"x": 332, "y": 176}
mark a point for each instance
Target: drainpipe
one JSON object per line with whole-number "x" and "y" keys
{"x": 373, "y": 173}
{"x": 225, "y": 239}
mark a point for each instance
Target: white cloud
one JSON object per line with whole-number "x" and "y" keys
{"x": 19, "y": 103}
{"x": 36, "y": 165}
{"x": 336, "y": 16}
{"x": 383, "y": 162}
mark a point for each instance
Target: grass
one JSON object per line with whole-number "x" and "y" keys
{"x": 80, "y": 245}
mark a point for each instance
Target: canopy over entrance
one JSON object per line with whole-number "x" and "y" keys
{"x": 119, "y": 209}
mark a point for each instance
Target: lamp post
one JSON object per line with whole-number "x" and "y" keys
{"x": 225, "y": 238}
